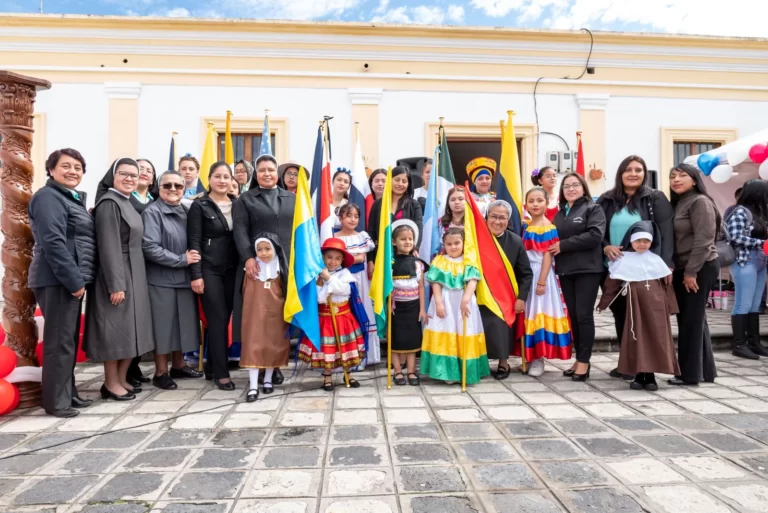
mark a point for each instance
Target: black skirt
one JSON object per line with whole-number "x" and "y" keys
{"x": 499, "y": 338}
{"x": 406, "y": 327}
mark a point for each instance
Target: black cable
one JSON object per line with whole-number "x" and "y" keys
{"x": 536, "y": 86}
{"x": 94, "y": 435}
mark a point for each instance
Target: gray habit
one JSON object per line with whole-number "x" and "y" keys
{"x": 125, "y": 330}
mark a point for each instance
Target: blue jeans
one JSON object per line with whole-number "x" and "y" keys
{"x": 749, "y": 284}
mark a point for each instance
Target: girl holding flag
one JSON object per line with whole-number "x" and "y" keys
{"x": 454, "y": 330}
{"x": 547, "y": 328}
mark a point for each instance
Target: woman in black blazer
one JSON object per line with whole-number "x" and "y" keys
{"x": 209, "y": 232}
{"x": 265, "y": 207}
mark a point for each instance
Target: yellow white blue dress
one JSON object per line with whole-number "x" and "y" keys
{"x": 547, "y": 327}
{"x": 442, "y": 345}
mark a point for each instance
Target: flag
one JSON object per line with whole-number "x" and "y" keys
{"x": 430, "y": 233}
{"x": 498, "y": 288}
{"x": 321, "y": 183}
{"x": 579, "y": 156}
{"x": 209, "y": 155}
{"x": 509, "y": 186}
{"x": 172, "y": 160}
{"x": 266, "y": 137}
{"x": 360, "y": 190}
{"x": 381, "y": 284}
{"x": 445, "y": 178}
{"x": 306, "y": 264}
{"x": 229, "y": 151}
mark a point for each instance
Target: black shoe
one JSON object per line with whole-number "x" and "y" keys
{"x": 327, "y": 384}
{"x": 413, "y": 381}
{"x": 267, "y": 388}
{"x": 581, "y": 377}
{"x": 208, "y": 376}
{"x": 638, "y": 383}
{"x": 277, "y": 377}
{"x": 79, "y": 402}
{"x": 108, "y": 394}
{"x": 615, "y": 373}
{"x": 502, "y": 373}
{"x": 165, "y": 382}
{"x": 64, "y": 414}
{"x": 135, "y": 390}
{"x": 401, "y": 380}
{"x": 570, "y": 372}
{"x": 753, "y": 335}
{"x": 252, "y": 395}
{"x": 135, "y": 383}
{"x": 650, "y": 382}
{"x": 185, "y": 372}
{"x": 680, "y": 382}
{"x": 224, "y": 386}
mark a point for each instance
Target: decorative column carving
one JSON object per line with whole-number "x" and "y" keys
{"x": 17, "y": 102}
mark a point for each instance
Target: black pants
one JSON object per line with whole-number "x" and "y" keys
{"x": 695, "y": 358}
{"x": 61, "y": 333}
{"x": 580, "y": 293}
{"x": 217, "y": 300}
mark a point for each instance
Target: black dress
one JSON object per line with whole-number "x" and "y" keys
{"x": 406, "y": 327}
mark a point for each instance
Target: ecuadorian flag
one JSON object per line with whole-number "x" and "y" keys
{"x": 498, "y": 288}
{"x": 306, "y": 264}
{"x": 381, "y": 284}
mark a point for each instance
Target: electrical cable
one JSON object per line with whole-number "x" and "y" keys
{"x": 94, "y": 435}
{"x": 536, "y": 86}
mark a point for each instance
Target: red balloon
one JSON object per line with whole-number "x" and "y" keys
{"x": 9, "y": 397}
{"x": 758, "y": 153}
{"x": 7, "y": 361}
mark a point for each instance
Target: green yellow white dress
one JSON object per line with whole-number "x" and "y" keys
{"x": 442, "y": 346}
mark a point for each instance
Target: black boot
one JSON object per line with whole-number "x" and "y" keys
{"x": 753, "y": 334}
{"x": 739, "y": 345}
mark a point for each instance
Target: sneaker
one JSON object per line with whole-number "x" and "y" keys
{"x": 537, "y": 368}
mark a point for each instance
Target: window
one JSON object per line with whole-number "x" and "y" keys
{"x": 684, "y": 149}
{"x": 245, "y": 145}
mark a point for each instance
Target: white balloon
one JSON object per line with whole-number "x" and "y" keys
{"x": 737, "y": 155}
{"x": 721, "y": 173}
{"x": 763, "y": 170}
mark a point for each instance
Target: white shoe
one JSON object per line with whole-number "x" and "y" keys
{"x": 537, "y": 368}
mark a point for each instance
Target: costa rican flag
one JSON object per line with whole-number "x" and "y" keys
{"x": 321, "y": 182}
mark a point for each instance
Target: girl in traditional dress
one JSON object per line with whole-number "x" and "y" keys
{"x": 359, "y": 244}
{"x": 446, "y": 344}
{"x": 646, "y": 343}
{"x": 265, "y": 342}
{"x": 547, "y": 328}
{"x": 407, "y": 301}
{"x": 341, "y": 338}
{"x": 480, "y": 172}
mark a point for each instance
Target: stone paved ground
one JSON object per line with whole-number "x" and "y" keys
{"x": 524, "y": 445}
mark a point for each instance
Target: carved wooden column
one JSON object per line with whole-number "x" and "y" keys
{"x": 17, "y": 102}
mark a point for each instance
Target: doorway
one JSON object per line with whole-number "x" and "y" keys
{"x": 464, "y": 149}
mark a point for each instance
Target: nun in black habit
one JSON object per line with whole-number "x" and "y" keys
{"x": 500, "y": 338}
{"x": 118, "y": 321}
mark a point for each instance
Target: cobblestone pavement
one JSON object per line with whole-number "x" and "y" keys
{"x": 523, "y": 445}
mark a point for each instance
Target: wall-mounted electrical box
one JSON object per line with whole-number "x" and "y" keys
{"x": 568, "y": 161}
{"x": 553, "y": 160}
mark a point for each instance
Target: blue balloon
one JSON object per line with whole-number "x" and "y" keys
{"x": 707, "y": 163}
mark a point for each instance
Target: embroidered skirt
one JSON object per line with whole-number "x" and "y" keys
{"x": 328, "y": 356}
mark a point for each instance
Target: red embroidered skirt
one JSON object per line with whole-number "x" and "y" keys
{"x": 328, "y": 356}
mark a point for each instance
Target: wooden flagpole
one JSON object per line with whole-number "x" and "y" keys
{"x": 389, "y": 342}
{"x": 463, "y": 353}
{"x": 338, "y": 340}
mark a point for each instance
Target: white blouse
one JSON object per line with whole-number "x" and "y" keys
{"x": 357, "y": 244}
{"x": 338, "y": 287}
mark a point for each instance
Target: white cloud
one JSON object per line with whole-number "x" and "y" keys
{"x": 704, "y": 17}
{"x": 456, "y": 13}
{"x": 421, "y": 14}
{"x": 382, "y": 6}
{"x": 286, "y": 9}
{"x": 177, "y": 12}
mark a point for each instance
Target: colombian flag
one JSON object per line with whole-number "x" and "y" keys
{"x": 306, "y": 264}
{"x": 509, "y": 187}
{"x": 498, "y": 288}
{"x": 381, "y": 285}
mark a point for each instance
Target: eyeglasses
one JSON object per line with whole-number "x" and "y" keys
{"x": 128, "y": 176}
{"x": 169, "y": 186}
{"x": 573, "y": 186}
{"x": 292, "y": 175}
{"x": 499, "y": 219}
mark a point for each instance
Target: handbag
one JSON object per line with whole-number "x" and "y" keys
{"x": 726, "y": 254}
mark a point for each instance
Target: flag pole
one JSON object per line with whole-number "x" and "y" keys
{"x": 524, "y": 365}
{"x": 389, "y": 342}
{"x": 338, "y": 340}
{"x": 464, "y": 353}
{"x": 202, "y": 348}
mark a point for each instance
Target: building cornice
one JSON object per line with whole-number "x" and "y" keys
{"x": 122, "y": 90}
{"x": 365, "y": 96}
{"x": 592, "y": 101}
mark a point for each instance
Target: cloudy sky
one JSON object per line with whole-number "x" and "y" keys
{"x": 708, "y": 17}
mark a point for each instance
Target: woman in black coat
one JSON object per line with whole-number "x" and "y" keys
{"x": 265, "y": 207}
{"x": 209, "y": 232}
{"x": 630, "y": 201}
{"x": 403, "y": 207}
{"x": 579, "y": 264}
{"x": 63, "y": 263}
